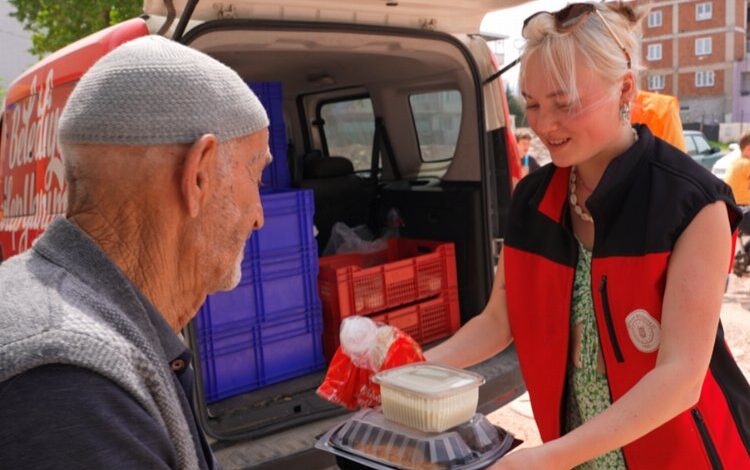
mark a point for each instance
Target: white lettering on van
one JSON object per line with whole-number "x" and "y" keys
{"x": 34, "y": 139}
{"x": 28, "y": 205}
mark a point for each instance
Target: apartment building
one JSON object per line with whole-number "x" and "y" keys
{"x": 696, "y": 50}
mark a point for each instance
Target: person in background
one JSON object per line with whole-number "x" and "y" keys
{"x": 738, "y": 173}
{"x": 661, "y": 113}
{"x": 612, "y": 270}
{"x": 528, "y": 163}
{"x": 738, "y": 178}
{"x": 163, "y": 149}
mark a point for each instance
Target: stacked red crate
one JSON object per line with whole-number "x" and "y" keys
{"x": 411, "y": 284}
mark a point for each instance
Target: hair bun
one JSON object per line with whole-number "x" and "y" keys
{"x": 629, "y": 11}
{"x": 538, "y": 28}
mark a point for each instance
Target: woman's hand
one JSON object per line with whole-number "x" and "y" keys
{"x": 532, "y": 458}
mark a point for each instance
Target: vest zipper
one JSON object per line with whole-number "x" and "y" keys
{"x": 608, "y": 320}
{"x": 713, "y": 456}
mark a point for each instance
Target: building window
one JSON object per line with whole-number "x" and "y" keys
{"x": 654, "y": 52}
{"x": 745, "y": 90}
{"x": 656, "y": 82}
{"x": 705, "y": 78}
{"x": 654, "y": 19}
{"x": 703, "y": 46}
{"x": 704, "y": 11}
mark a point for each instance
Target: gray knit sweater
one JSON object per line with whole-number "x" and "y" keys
{"x": 51, "y": 312}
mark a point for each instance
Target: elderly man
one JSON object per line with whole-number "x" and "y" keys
{"x": 163, "y": 149}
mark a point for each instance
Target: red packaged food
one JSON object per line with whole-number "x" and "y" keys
{"x": 366, "y": 348}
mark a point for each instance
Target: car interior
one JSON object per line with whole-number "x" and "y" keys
{"x": 387, "y": 130}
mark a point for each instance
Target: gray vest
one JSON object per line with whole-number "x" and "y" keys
{"x": 64, "y": 302}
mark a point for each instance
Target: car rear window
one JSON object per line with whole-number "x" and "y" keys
{"x": 349, "y": 128}
{"x": 437, "y": 118}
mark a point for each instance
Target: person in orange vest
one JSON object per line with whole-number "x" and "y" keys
{"x": 738, "y": 173}
{"x": 661, "y": 113}
{"x": 738, "y": 178}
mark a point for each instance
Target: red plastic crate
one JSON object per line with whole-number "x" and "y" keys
{"x": 412, "y": 284}
{"x": 366, "y": 283}
{"x": 425, "y": 321}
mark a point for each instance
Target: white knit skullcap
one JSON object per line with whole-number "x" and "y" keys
{"x": 152, "y": 90}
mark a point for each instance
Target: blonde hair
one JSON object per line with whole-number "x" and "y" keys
{"x": 591, "y": 39}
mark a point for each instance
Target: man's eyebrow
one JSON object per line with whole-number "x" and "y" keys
{"x": 261, "y": 154}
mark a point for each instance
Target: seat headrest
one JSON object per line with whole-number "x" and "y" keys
{"x": 328, "y": 167}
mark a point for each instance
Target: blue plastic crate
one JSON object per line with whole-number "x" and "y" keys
{"x": 256, "y": 356}
{"x": 288, "y": 222}
{"x": 272, "y": 287}
{"x": 268, "y": 329}
{"x": 270, "y": 94}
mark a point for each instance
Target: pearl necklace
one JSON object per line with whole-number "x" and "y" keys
{"x": 574, "y": 199}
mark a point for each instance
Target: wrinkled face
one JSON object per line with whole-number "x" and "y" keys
{"x": 236, "y": 209}
{"x": 573, "y": 130}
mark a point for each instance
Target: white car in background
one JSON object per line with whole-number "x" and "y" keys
{"x": 720, "y": 167}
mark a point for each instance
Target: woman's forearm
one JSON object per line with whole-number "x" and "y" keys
{"x": 481, "y": 338}
{"x": 659, "y": 396}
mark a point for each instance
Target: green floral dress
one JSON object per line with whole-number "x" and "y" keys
{"x": 588, "y": 388}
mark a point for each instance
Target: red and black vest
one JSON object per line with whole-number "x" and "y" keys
{"x": 644, "y": 201}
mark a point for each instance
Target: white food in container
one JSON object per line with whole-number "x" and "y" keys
{"x": 429, "y": 397}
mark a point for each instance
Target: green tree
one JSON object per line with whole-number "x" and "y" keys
{"x": 56, "y": 23}
{"x": 516, "y": 108}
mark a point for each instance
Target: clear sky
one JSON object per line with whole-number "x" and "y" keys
{"x": 14, "y": 46}
{"x": 509, "y": 22}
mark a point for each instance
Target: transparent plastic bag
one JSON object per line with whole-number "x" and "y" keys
{"x": 366, "y": 348}
{"x": 345, "y": 239}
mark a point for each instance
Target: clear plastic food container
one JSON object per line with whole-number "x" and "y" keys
{"x": 429, "y": 397}
{"x": 369, "y": 440}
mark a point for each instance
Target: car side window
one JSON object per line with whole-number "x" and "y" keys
{"x": 702, "y": 146}
{"x": 690, "y": 145}
{"x": 437, "y": 118}
{"x": 349, "y": 128}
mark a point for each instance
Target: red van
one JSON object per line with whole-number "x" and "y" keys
{"x": 419, "y": 77}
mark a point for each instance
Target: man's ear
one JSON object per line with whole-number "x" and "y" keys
{"x": 197, "y": 171}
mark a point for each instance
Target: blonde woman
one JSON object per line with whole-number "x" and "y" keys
{"x": 614, "y": 267}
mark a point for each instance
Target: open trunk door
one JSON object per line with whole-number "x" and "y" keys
{"x": 448, "y": 16}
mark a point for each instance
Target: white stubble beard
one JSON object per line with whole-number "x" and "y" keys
{"x": 236, "y": 276}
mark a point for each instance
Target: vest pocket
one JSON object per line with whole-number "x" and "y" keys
{"x": 708, "y": 444}
{"x": 608, "y": 320}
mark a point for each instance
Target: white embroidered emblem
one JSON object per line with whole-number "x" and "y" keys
{"x": 644, "y": 330}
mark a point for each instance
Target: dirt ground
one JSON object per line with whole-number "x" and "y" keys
{"x": 735, "y": 316}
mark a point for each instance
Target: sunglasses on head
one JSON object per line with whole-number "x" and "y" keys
{"x": 575, "y": 15}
